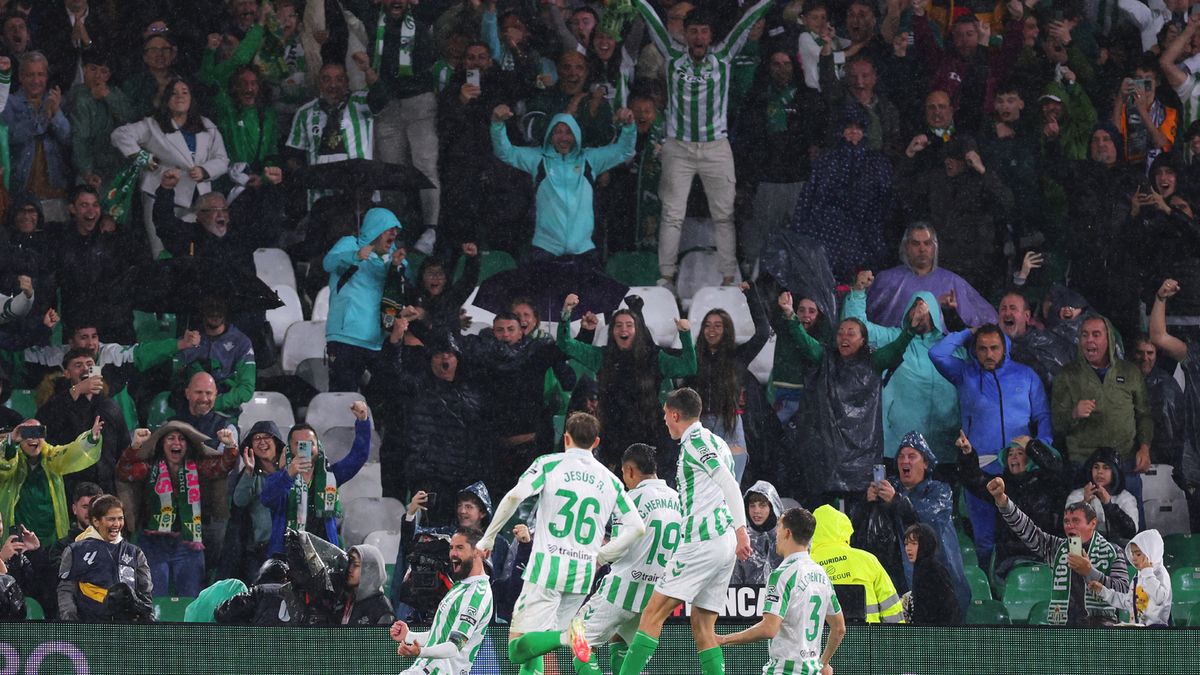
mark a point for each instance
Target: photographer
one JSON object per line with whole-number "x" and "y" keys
{"x": 81, "y": 397}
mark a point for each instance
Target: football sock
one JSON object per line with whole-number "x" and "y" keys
{"x": 640, "y": 651}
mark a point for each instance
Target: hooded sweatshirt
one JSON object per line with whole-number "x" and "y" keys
{"x": 995, "y": 406}
{"x": 356, "y": 286}
{"x": 763, "y": 556}
{"x": 932, "y": 601}
{"x": 1149, "y": 598}
{"x": 1122, "y": 417}
{"x": 852, "y": 566}
{"x": 1116, "y": 520}
{"x": 916, "y": 396}
{"x": 247, "y": 492}
{"x": 369, "y": 606}
{"x": 565, "y": 215}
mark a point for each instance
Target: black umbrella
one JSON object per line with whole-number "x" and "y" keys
{"x": 799, "y": 265}
{"x": 547, "y": 284}
{"x": 177, "y": 285}
{"x": 360, "y": 177}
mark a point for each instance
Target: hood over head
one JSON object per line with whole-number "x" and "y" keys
{"x": 479, "y": 492}
{"x": 264, "y": 427}
{"x": 1060, "y": 296}
{"x": 1109, "y": 457}
{"x": 1113, "y": 133}
{"x": 1114, "y": 352}
{"x": 569, "y": 120}
{"x": 442, "y": 341}
{"x": 916, "y": 441}
{"x": 833, "y": 527}
{"x": 935, "y": 311}
{"x": 372, "y": 574}
{"x": 927, "y": 541}
{"x": 768, "y": 491}
{"x": 1151, "y": 544}
{"x": 19, "y": 202}
{"x": 376, "y": 222}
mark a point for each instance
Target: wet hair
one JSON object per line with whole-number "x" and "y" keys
{"x": 1089, "y": 514}
{"x": 102, "y": 505}
{"x": 686, "y": 402}
{"x": 641, "y": 456}
{"x": 473, "y": 534}
{"x": 584, "y": 429}
{"x": 800, "y": 524}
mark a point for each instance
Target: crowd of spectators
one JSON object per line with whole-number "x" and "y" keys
{"x": 1004, "y": 192}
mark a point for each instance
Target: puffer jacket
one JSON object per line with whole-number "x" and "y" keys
{"x": 995, "y": 406}
{"x": 565, "y": 216}
{"x": 356, "y": 286}
{"x": 916, "y": 396}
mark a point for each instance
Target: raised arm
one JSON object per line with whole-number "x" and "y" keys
{"x": 1172, "y": 346}
{"x": 1176, "y": 76}
{"x": 658, "y": 31}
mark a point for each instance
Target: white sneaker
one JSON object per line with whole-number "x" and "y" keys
{"x": 426, "y": 242}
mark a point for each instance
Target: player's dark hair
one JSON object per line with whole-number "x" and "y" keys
{"x": 800, "y": 524}
{"x": 584, "y": 429}
{"x": 686, "y": 402}
{"x": 641, "y": 456}
{"x": 473, "y": 534}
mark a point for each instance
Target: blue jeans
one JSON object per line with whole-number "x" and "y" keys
{"x": 983, "y": 519}
{"x": 173, "y": 563}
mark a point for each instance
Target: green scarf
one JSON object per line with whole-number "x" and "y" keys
{"x": 119, "y": 197}
{"x": 408, "y": 37}
{"x": 1101, "y": 554}
{"x": 181, "y": 498}
{"x": 778, "y": 103}
{"x": 323, "y": 487}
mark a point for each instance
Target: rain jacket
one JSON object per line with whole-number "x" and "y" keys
{"x": 763, "y": 556}
{"x": 995, "y": 406}
{"x": 932, "y": 601}
{"x": 57, "y": 461}
{"x": 356, "y": 286}
{"x": 1149, "y": 598}
{"x": 932, "y": 502}
{"x": 1121, "y": 419}
{"x": 915, "y": 396}
{"x": 369, "y": 606}
{"x": 565, "y": 215}
{"x": 851, "y": 566}
{"x": 1117, "y": 520}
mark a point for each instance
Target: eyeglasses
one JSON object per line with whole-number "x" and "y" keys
{"x": 261, "y": 438}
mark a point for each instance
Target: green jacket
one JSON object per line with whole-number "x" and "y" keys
{"x": 592, "y": 357}
{"x": 92, "y": 124}
{"x": 58, "y": 461}
{"x": 1121, "y": 419}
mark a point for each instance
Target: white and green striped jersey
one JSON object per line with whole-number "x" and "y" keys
{"x": 633, "y": 577}
{"x": 1189, "y": 95}
{"x": 701, "y": 454}
{"x": 800, "y": 593}
{"x": 578, "y": 495}
{"x": 698, "y": 91}
{"x": 357, "y": 128}
{"x": 462, "y": 615}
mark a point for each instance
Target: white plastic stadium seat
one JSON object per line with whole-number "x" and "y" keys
{"x": 698, "y": 269}
{"x": 764, "y": 363}
{"x": 320, "y": 311}
{"x": 1167, "y": 516}
{"x": 273, "y": 266}
{"x": 267, "y": 405}
{"x": 281, "y": 318}
{"x": 368, "y": 514}
{"x": 1157, "y": 483}
{"x": 388, "y": 543}
{"x": 729, "y": 298}
{"x": 331, "y": 409}
{"x": 660, "y": 311}
{"x": 315, "y": 372}
{"x": 366, "y": 483}
{"x": 303, "y": 340}
{"x": 337, "y": 442}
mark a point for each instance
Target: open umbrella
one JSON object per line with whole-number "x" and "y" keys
{"x": 360, "y": 177}
{"x": 177, "y": 285}
{"x": 547, "y": 284}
